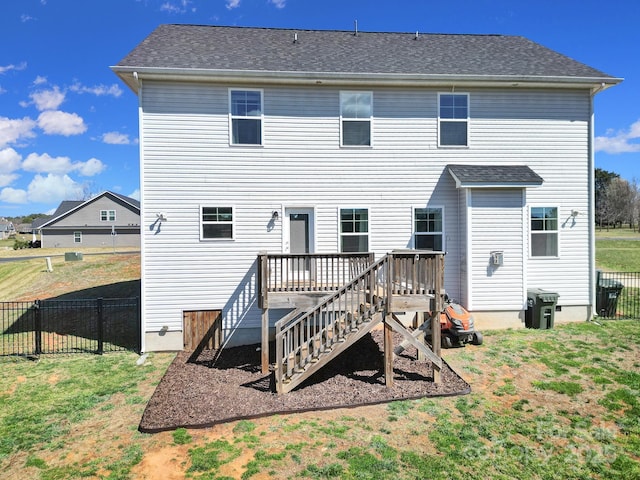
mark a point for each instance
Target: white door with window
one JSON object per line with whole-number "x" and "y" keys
{"x": 298, "y": 236}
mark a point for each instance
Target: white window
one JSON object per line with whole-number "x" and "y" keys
{"x": 354, "y": 230}
{"x": 428, "y": 228}
{"x": 77, "y": 237}
{"x": 216, "y": 223}
{"x": 107, "y": 215}
{"x": 544, "y": 231}
{"x": 453, "y": 119}
{"x": 245, "y": 112}
{"x": 356, "y": 110}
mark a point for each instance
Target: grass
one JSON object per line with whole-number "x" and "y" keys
{"x": 550, "y": 416}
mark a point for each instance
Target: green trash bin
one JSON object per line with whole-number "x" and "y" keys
{"x": 607, "y": 293}
{"x": 541, "y": 308}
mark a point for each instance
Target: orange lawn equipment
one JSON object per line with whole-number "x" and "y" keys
{"x": 456, "y": 325}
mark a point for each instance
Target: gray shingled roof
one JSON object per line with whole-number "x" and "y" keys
{"x": 494, "y": 176}
{"x": 237, "y": 49}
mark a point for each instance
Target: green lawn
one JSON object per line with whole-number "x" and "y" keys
{"x": 545, "y": 404}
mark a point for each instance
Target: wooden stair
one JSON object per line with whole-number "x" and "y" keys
{"x": 308, "y": 339}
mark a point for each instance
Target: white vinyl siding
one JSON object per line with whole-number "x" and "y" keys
{"x": 496, "y": 222}
{"x": 186, "y": 161}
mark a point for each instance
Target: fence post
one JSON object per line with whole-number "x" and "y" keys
{"x": 100, "y": 327}
{"x": 38, "y": 327}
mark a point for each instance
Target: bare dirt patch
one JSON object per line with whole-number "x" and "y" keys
{"x": 210, "y": 390}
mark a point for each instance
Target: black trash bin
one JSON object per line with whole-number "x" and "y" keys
{"x": 607, "y": 294}
{"x": 541, "y": 307}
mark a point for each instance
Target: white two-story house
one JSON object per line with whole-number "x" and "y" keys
{"x": 295, "y": 142}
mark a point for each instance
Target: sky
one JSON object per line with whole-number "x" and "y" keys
{"x": 69, "y": 126}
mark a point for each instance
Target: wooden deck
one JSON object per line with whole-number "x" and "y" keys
{"x": 338, "y": 298}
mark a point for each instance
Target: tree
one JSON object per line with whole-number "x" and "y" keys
{"x": 602, "y": 180}
{"x": 620, "y": 201}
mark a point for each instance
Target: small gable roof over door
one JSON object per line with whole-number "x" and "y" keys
{"x": 494, "y": 176}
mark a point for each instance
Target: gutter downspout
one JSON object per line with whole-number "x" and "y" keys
{"x": 592, "y": 209}
{"x": 143, "y": 303}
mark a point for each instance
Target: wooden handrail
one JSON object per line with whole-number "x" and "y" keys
{"x": 303, "y": 335}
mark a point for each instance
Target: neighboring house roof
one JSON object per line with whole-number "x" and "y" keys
{"x": 67, "y": 207}
{"x": 373, "y": 56}
{"x": 493, "y": 176}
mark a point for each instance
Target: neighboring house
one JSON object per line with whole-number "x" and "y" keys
{"x": 294, "y": 141}
{"x": 106, "y": 220}
{"x": 6, "y": 229}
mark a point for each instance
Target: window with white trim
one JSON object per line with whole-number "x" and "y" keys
{"x": 453, "y": 119}
{"x": 428, "y": 229}
{"x": 216, "y": 223}
{"x": 246, "y": 114}
{"x": 354, "y": 230}
{"x": 77, "y": 237}
{"x": 544, "y": 231}
{"x": 356, "y": 111}
{"x": 107, "y": 215}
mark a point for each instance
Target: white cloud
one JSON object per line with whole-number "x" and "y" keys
{"x": 9, "y": 160}
{"x": 112, "y": 90}
{"x": 622, "y": 141}
{"x": 116, "y": 138}
{"x": 61, "y": 123}
{"x": 12, "y": 130}
{"x": 48, "y": 99}
{"x": 26, "y": 18}
{"x": 6, "y": 68}
{"x": 45, "y": 163}
{"x": 135, "y": 194}
{"x": 181, "y": 6}
{"x": 8, "y": 179}
{"x": 40, "y": 80}
{"x": 53, "y": 189}
{"x": 91, "y": 167}
{"x": 13, "y": 195}
{"x": 278, "y": 3}
{"x": 231, "y": 4}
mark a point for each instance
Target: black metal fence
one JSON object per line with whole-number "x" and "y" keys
{"x": 70, "y": 326}
{"x": 618, "y": 294}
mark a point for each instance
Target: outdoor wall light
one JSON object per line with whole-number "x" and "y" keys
{"x": 274, "y": 215}
{"x": 161, "y": 217}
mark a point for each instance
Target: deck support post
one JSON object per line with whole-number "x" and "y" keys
{"x": 264, "y": 351}
{"x": 388, "y": 354}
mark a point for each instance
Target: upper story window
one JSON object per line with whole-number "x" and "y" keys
{"x": 544, "y": 231}
{"x": 107, "y": 215}
{"x": 216, "y": 223}
{"x": 354, "y": 230}
{"x": 356, "y": 110}
{"x": 246, "y": 113}
{"x": 428, "y": 229}
{"x": 453, "y": 119}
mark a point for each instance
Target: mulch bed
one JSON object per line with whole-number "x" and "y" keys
{"x": 218, "y": 387}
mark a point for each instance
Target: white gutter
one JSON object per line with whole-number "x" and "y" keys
{"x": 132, "y": 75}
